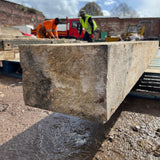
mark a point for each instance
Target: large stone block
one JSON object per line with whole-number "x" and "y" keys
{"x": 85, "y": 80}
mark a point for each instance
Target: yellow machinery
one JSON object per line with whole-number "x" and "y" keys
{"x": 135, "y": 32}
{"x": 112, "y": 39}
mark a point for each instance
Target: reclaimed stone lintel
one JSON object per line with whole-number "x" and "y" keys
{"x": 86, "y": 80}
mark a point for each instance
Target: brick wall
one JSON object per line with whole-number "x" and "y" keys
{"x": 117, "y": 26}
{"x": 15, "y": 14}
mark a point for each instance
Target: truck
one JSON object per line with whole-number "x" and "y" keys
{"x": 69, "y": 28}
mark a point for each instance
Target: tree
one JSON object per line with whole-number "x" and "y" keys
{"x": 93, "y": 9}
{"x": 123, "y": 11}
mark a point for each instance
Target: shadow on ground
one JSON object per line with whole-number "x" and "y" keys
{"x": 10, "y": 81}
{"x": 57, "y": 137}
{"x": 60, "y": 137}
{"x": 142, "y": 105}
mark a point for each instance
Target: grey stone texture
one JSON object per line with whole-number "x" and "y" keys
{"x": 9, "y": 46}
{"x": 85, "y": 80}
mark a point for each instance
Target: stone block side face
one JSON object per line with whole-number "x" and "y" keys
{"x": 1, "y": 55}
{"x": 12, "y": 55}
{"x": 127, "y": 62}
{"x": 66, "y": 79}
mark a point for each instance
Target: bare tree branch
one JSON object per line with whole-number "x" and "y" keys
{"x": 93, "y": 9}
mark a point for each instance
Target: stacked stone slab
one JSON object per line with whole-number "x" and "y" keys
{"x": 9, "y": 46}
{"x": 85, "y": 80}
{"x": 9, "y": 32}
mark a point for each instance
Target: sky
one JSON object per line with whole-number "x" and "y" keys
{"x": 70, "y": 8}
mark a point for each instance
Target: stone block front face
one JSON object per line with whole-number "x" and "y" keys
{"x": 85, "y": 80}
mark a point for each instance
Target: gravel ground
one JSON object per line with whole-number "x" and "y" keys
{"x": 27, "y": 133}
{"x": 135, "y": 134}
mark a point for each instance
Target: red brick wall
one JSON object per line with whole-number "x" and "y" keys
{"x": 117, "y": 26}
{"x": 15, "y": 14}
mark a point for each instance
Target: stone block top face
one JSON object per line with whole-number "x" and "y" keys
{"x": 87, "y": 80}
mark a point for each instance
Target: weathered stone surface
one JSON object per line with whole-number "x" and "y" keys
{"x": 9, "y": 55}
{"x": 9, "y": 46}
{"x": 85, "y": 80}
{"x": 9, "y": 31}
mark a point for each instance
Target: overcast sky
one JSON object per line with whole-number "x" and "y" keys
{"x": 70, "y": 8}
